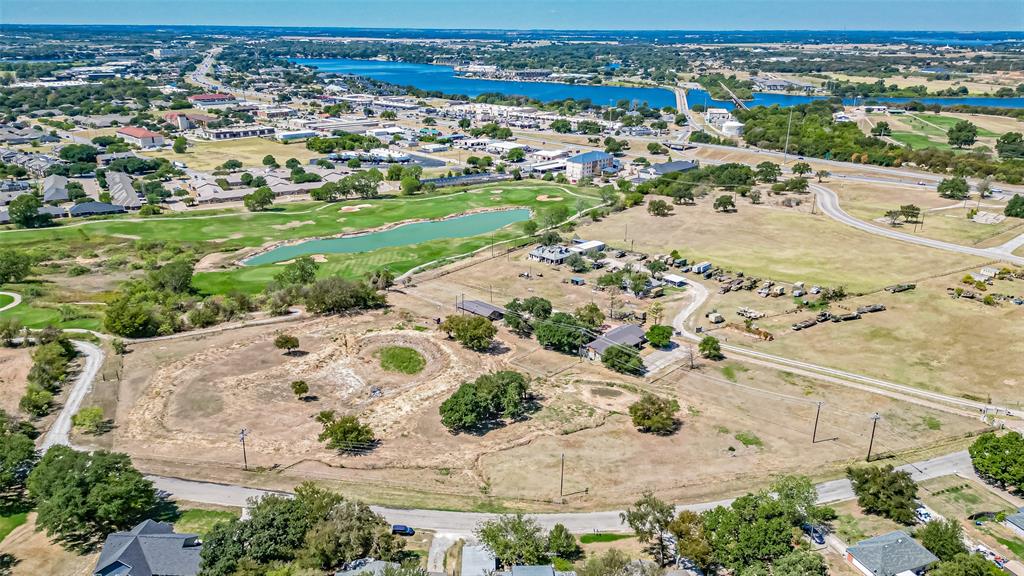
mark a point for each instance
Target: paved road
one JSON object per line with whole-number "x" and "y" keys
{"x": 17, "y": 300}
{"x": 829, "y": 203}
{"x": 463, "y": 523}
{"x": 61, "y": 428}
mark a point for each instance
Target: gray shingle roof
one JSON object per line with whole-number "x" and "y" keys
{"x": 373, "y": 568}
{"x": 533, "y": 571}
{"x": 625, "y": 335}
{"x": 55, "y": 188}
{"x": 93, "y": 208}
{"x": 1017, "y": 519}
{"x": 150, "y": 549}
{"x": 121, "y": 191}
{"x": 891, "y": 554}
{"x": 482, "y": 309}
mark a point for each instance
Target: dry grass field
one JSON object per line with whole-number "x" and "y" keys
{"x": 37, "y": 555}
{"x": 205, "y": 155}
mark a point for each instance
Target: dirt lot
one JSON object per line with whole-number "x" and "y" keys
{"x": 182, "y": 402}
{"x": 959, "y": 498}
{"x": 14, "y": 366}
{"x": 37, "y": 555}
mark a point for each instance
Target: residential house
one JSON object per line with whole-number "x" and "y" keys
{"x": 589, "y": 165}
{"x": 629, "y": 335}
{"x": 480, "y": 308}
{"x": 367, "y": 568}
{"x": 554, "y": 255}
{"x": 122, "y": 193}
{"x": 1016, "y": 522}
{"x": 55, "y": 189}
{"x": 150, "y": 549}
{"x": 93, "y": 209}
{"x": 141, "y": 137}
{"x": 53, "y": 211}
{"x": 106, "y": 159}
{"x": 892, "y": 554}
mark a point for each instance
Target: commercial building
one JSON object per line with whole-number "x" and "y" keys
{"x": 141, "y": 137}
{"x": 276, "y": 112}
{"x": 167, "y": 53}
{"x": 717, "y": 116}
{"x": 234, "y": 132}
{"x": 211, "y": 100}
{"x": 183, "y": 121}
{"x": 588, "y": 165}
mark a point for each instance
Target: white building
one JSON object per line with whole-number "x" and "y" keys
{"x": 732, "y": 128}
{"x": 141, "y": 137}
{"x": 717, "y": 116}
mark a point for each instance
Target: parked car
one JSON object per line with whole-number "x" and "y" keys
{"x": 815, "y": 533}
{"x": 402, "y": 530}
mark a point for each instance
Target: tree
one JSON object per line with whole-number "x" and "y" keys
{"x": 1010, "y": 146}
{"x": 999, "y": 459}
{"x": 286, "y": 342}
{"x": 14, "y": 266}
{"x": 649, "y": 517}
{"x": 955, "y": 188}
{"x": 17, "y": 457}
{"x": 710, "y": 348}
{"x": 550, "y": 238}
{"x": 562, "y": 332}
{"x": 944, "y": 538}
{"x": 590, "y": 315}
{"x": 654, "y": 414}
{"x": 530, "y": 227}
{"x": 967, "y": 565}
{"x": 961, "y": 134}
{"x": 476, "y": 404}
{"x": 473, "y": 332}
{"x": 79, "y": 153}
{"x": 822, "y": 174}
{"x": 410, "y": 185}
{"x": 655, "y": 148}
{"x": 563, "y": 544}
{"x": 801, "y": 168}
{"x": 725, "y": 203}
{"x": 335, "y": 295}
{"x": 612, "y": 563}
{"x": 300, "y": 388}
{"x": 270, "y": 161}
{"x": 1015, "y": 207}
{"x": 465, "y": 123}
{"x": 180, "y": 145}
{"x": 691, "y": 540}
{"x": 884, "y": 491}
{"x": 659, "y": 208}
{"x": 81, "y": 497}
{"x": 659, "y": 335}
{"x": 515, "y": 540}
{"x": 175, "y": 276}
{"x": 516, "y": 155}
{"x": 259, "y": 199}
{"x": 382, "y": 279}
{"x": 300, "y": 272}
{"x": 800, "y": 563}
{"x": 231, "y": 164}
{"x": 347, "y": 434}
{"x": 768, "y": 172}
{"x": 89, "y": 420}
{"x": 623, "y": 359}
{"x": 577, "y": 263}
{"x": 24, "y": 212}
{"x": 36, "y": 401}
{"x": 881, "y": 129}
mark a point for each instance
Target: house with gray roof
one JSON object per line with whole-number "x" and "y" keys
{"x": 480, "y": 308}
{"x": 150, "y": 549}
{"x": 93, "y": 209}
{"x": 892, "y": 554}
{"x": 550, "y": 254}
{"x": 629, "y": 335}
{"x": 1016, "y": 522}
{"x": 122, "y": 193}
{"x": 55, "y": 188}
{"x": 366, "y": 567}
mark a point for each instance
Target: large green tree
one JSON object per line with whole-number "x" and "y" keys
{"x": 502, "y": 394}
{"x": 885, "y": 491}
{"x": 944, "y": 538}
{"x": 473, "y": 332}
{"x": 961, "y": 134}
{"x": 81, "y": 497}
{"x": 14, "y": 266}
{"x": 999, "y": 459}
{"x": 654, "y": 414}
{"x": 650, "y": 517}
{"x": 563, "y": 332}
{"x": 515, "y": 540}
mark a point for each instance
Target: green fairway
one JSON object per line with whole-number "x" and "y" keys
{"x": 946, "y": 122}
{"x": 918, "y": 141}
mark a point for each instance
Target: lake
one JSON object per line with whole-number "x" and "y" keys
{"x": 414, "y": 233}
{"x": 443, "y": 79}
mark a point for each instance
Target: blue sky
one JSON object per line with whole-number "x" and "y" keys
{"x": 959, "y": 15}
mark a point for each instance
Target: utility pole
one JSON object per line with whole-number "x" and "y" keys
{"x": 814, "y": 435}
{"x": 785, "y": 151}
{"x": 874, "y": 424}
{"x": 561, "y": 478}
{"x": 241, "y": 438}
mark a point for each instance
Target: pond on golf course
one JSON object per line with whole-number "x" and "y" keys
{"x": 414, "y": 233}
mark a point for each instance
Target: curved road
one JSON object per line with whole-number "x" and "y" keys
{"x": 829, "y": 203}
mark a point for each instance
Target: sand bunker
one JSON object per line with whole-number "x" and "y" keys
{"x": 234, "y": 236}
{"x": 546, "y": 198}
{"x": 292, "y": 224}
{"x": 319, "y": 258}
{"x": 355, "y": 208}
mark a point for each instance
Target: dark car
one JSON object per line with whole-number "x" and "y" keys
{"x": 816, "y": 533}
{"x": 402, "y": 530}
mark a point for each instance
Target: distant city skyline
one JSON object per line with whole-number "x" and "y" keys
{"x": 936, "y": 15}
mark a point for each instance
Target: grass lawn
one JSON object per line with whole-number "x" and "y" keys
{"x": 852, "y": 525}
{"x": 39, "y": 313}
{"x": 195, "y": 521}
{"x": 204, "y": 155}
{"x": 947, "y": 122}
{"x": 5, "y": 299}
{"x": 918, "y": 141}
{"x": 401, "y": 359}
{"x": 10, "y": 522}
{"x": 603, "y": 537}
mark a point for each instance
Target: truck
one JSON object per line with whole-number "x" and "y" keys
{"x": 702, "y": 267}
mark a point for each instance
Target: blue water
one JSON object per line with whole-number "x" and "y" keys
{"x": 443, "y": 79}
{"x": 460, "y": 227}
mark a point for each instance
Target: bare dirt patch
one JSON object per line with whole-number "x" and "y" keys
{"x": 14, "y": 366}
{"x": 37, "y": 555}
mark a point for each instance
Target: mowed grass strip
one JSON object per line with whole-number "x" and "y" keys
{"x": 401, "y": 359}
{"x": 603, "y": 537}
{"x": 201, "y": 522}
